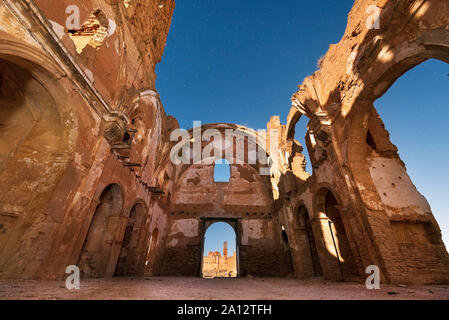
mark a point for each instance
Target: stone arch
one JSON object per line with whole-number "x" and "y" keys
{"x": 299, "y": 151}
{"x": 286, "y": 247}
{"x": 294, "y": 116}
{"x": 38, "y": 134}
{"x": 27, "y": 56}
{"x": 364, "y": 64}
{"x": 433, "y": 44}
{"x": 232, "y": 222}
{"x": 131, "y": 260}
{"x": 365, "y": 133}
{"x": 97, "y": 258}
{"x": 337, "y": 259}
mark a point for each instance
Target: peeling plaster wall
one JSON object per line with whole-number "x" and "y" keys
{"x": 186, "y": 228}
{"x": 252, "y": 230}
{"x": 158, "y": 229}
{"x": 93, "y": 91}
{"x": 387, "y": 221}
{"x": 396, "y": 189}
{"x": 246, "y": 192}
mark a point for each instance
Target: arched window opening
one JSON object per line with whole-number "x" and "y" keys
{"x": 415, "y": 112}
{"x": 222, "y": 171}
{"x": 220, "y": 252}
{"x": 301, "y": 136}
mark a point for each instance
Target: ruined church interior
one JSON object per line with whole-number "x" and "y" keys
{"x": 89, "y": 177}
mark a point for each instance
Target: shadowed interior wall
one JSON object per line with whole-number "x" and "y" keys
{"x": 131, "y": 260}
{"x": 33, "y": 149}
{"x": 97, "y": 256}
{"x": 339, "y": 238}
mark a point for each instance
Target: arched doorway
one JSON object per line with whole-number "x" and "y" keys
{"x": 335, "y": 237}
{"x": 96, "y": 259}
{"x": 219, "y": 254}
{"x": 131, "y": 259}
{"x": 302, "y": 135}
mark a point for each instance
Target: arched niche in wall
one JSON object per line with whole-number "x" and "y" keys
{"x": 300, "y": 142}
{"x": 96, "y": 259}
{"x": 131, "y": 261}
{"x": 38, "y": 132}
{"x": 339, "y": 255}
{"x": 362, "y": 119}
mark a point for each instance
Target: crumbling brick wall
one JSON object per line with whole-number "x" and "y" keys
{"x": 99, "y": 120}
{"x": 351, "y": 153}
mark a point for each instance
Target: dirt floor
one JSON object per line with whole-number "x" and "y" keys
{"x": 214, "y": 289}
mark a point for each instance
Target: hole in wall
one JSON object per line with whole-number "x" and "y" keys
{"x": 222, "y": 171}
{"x": 300, "y": 135}
{"x": 93, "y": 32}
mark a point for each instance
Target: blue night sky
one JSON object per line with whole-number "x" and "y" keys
{"x": 241, "y": 61}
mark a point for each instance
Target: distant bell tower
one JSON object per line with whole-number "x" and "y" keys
{"x": 225, "y": 249}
